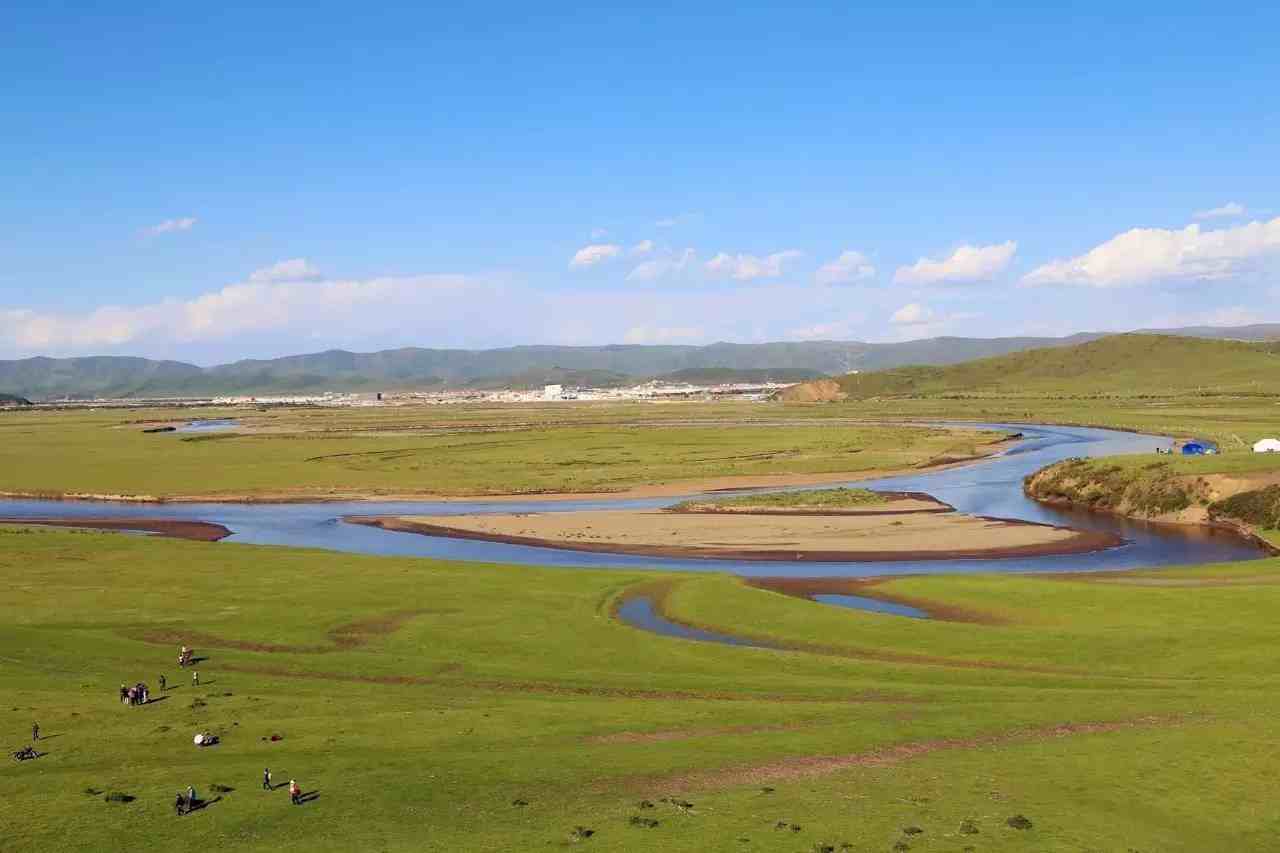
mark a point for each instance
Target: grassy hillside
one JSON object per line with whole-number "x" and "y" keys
{"x": 1120, "y": 366}
{"x": 1242, "y": 488}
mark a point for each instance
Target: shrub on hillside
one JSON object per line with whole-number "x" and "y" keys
{"x": 1152, "y": 490}
{"x": 1260, "y": 507}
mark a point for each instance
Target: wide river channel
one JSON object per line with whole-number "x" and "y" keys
{"x": 992, "y": 487}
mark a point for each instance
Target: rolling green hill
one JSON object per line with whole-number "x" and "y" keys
{"x": 417, "y": 368}
{"x": 1122, "y": 365}
{"x": 13, "y": 400}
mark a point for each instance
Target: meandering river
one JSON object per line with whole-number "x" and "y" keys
{"x": 992, "y": 487}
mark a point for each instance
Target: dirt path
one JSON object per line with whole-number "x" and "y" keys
{"x": 809, "y": 766}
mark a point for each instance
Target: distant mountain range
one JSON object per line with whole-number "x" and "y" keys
{"x": 524, "y": 366}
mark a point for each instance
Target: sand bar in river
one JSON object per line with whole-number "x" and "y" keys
{"x": 837, "y": 537}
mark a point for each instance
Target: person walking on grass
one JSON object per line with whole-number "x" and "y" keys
{"x": 195, "y": 678}
{"x": 162, "y": 684}
{"x": 295, "y": 793}
{"x": 266, "y": 778}
{"x": 35, "y": 732}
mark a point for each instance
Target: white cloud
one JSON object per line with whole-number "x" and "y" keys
{"x": 1144, "y": 255}
{"x": 663, "y": 335}
{"x": 294, "y": 269}
{"x": 965, "y": 264}
{"x": 750, "y": 267}
{"x": 912, "y": 314}
{"x": 186, "y": 223}
{"x": 240, "y": 309}
{"x": 597, "y": 253}
{"x": 644, "y": 247}
{"x": 915, "y": 320}
{"x": 1228, "y": 210}
{"x": 666, "y": 264}
{"x": 850, "y": 268}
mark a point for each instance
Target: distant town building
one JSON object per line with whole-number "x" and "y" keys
{"x": 552, "y": 392}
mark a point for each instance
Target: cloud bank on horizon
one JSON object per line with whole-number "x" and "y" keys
{"x": 768, "y": 296}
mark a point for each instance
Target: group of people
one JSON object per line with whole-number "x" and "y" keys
{"x": 295, "y": 790}
{"x": 138, "y": 694}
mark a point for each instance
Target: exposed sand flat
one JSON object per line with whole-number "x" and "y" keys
{"x": 836, "y": 537}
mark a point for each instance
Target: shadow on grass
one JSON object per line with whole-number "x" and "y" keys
{"x": 308, "y": 797}
{"x": 200, "y": 805}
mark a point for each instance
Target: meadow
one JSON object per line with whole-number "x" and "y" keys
{"x": 438, "y": 706}
{"x": 450, "y": 451}
{"x": 428, "y": 705}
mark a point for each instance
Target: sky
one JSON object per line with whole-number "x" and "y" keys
{"x": 237, "y": 181}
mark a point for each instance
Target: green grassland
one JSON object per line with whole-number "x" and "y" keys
{"x": 1120, "y": 365}
{"x": 424, "y": 701}
{"x": 839, "y": 498}
{"x": 449, "y": 451}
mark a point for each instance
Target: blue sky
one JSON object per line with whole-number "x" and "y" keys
{"x": 208, "y": 184}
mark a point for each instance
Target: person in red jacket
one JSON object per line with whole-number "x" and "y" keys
{"x": 295, "y": 793}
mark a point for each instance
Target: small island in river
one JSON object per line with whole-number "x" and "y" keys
{"x": 830, "y": 525}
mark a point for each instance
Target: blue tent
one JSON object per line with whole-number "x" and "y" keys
{"x": 1194, "y": 448}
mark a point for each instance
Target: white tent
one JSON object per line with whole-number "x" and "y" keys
{"x": 1267, "y": 445}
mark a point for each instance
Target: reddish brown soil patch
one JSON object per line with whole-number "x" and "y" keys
{"x": 198, "y": 531}
{"x": 343, "y": 637}
{"x": 551, "y": 689}
{"x": 809, "y": 766}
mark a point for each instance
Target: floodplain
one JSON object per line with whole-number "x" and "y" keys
{"x": 427, "y": 704}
